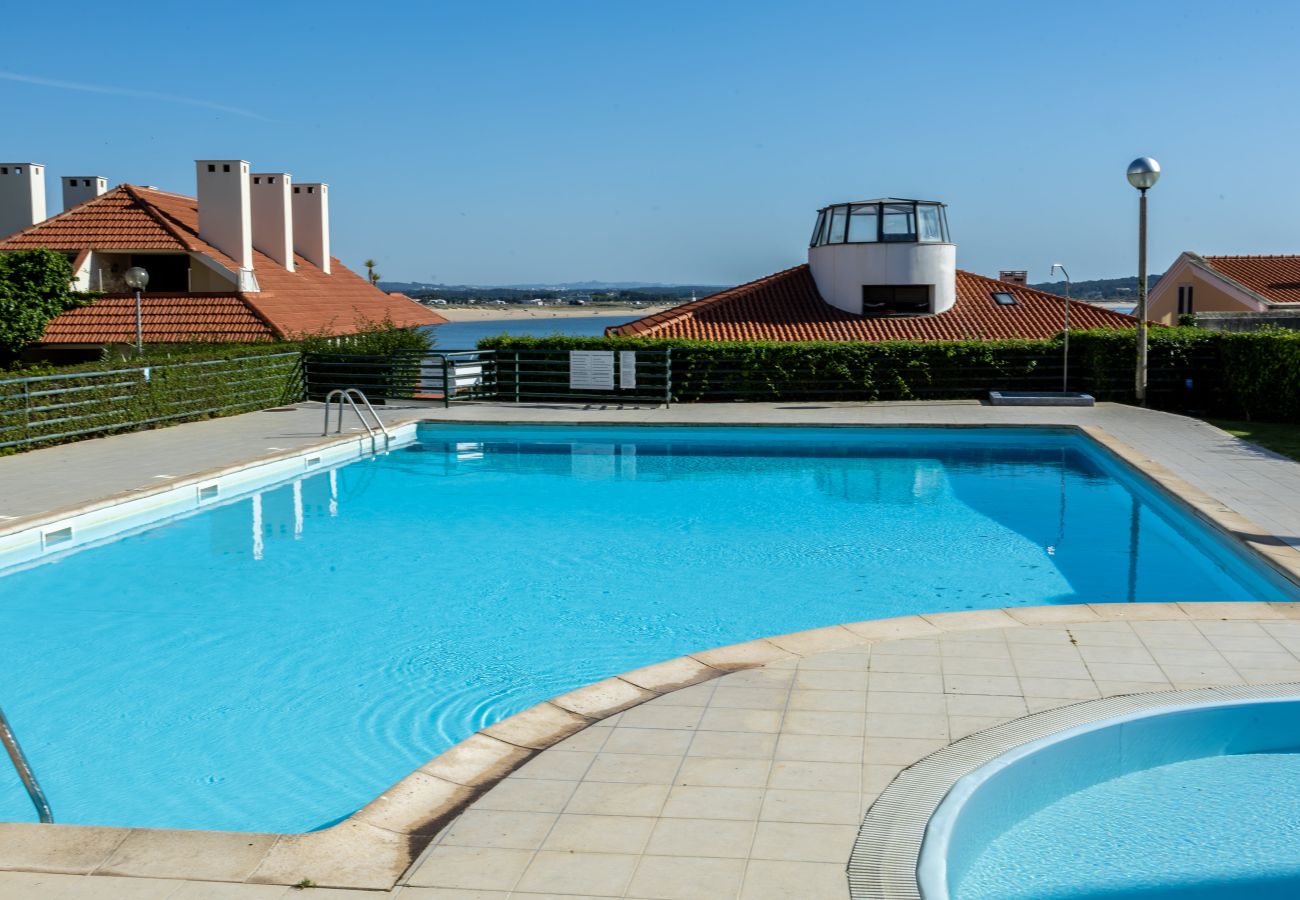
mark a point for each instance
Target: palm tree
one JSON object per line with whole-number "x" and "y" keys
{"x": 370, "y": 271}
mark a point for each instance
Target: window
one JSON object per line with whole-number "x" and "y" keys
{"x": 863, "y": 223}
{"x": 212, "y": 167}
{"x": 817, "y": 229}
{"x": 898, "y": 222}
{"x": 1185, "y": 300}
{"x": 895, "y": 299}
{"x": 838, "y": 215}
{"x": 1002, "y": 298}
{"x": 931, "y": 225}
{"x": 256, "y": 180}
{"x": 225, "y": 167}
{"x": 1190, "y": 307}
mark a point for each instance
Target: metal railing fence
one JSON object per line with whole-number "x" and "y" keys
{"x": 44, "y": 409}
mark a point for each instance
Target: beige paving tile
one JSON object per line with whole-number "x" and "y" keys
{"x": 633, "y": 768}
{"x": 804, "y": 841}
{"x": 815, "y": 776}
{"x": 474, "y": 868}
{"x": 1076, "y": 688}
{"x": 852, "y": 659}
{"x": 766, "y": 677}
{"x": 1110, "y": 653}
{"x": 830, "y": 680}
{"x": 695, "y": 695}
{"x": 503, "y": 829}
{"x": 897, "y": 750}
{"x": 613, "y": 799}
{"x": 1007, "y": 707}
{"x": 1195, "y": 676}
{"x": 875, "y": 778}
{"x": 733, "y": 744}
{"x": 819, "y": 747}
{"x": 749, "y": 697}
{"x": 978, "y": 665}
{"x": 961, "y": 726}
{"x": 555, "y": 765}
{"x": 691, "y": 802}
{"x": 800, "y": 721}
{"x": 589, "y": 740}
{"x": 980, "y": 684}
{"x": 818, "y": 807}
{"x": 906, "y": 682}
{"x": 1101, "y": 671}
{"x": 905, "y": 702}
{"x": 908, "y": 725}
{"x": 655, "y": 716}
{"x": 579, "y": 874}
{"x": 702, "y": 837}
{"x": 767, "y": 721}
{"x": 686, "y": 878}
{"x": 974, "y": 649}
{"x": 599, "y": 834}
{"x": 1114, "y": 688}
{"x": 828, "y": 701}
{"x": 216, "y": 890}
{"x": 1064, "y": 650}
{"x": 906, "y": 647}
{"x": 427, "y": 893}
{"x": 528, "y": 795}
{"x": 666, "y": 741}
{"x": 1052, "y": 668}
{"x": 921, "y": 665}
{"x": 783, "y": 880}
{"x": 704, "y": 771}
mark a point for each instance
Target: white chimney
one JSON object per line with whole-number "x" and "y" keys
{"x": 273, "y": 216}
{"x": 22, "y": 196}
{"x": 311, "y": 223}
{"x": 80, "y": 188}
{"x": 225, "y": 213}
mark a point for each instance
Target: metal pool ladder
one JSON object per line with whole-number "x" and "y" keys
{"x": 348, "y": 394}
{"x": 25, "y": 772}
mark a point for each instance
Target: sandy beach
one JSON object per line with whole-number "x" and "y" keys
{"x": 485, "y": 313}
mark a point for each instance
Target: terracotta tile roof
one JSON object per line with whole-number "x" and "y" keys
{"x": 289, "y": 305}
{"x": 1275, "y": 278}
{"x": 787, "y": 307}
{"x": 166, "y": 318}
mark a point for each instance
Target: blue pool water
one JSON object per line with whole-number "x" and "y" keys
{"x": 274, "y": 663}
{"x": 1199, "y": 803}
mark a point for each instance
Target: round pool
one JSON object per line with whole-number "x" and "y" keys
{"x": 1193, "y": 801}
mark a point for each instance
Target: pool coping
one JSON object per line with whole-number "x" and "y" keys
{"x": 375, "y": 846}
{"x": 889, "y": 858}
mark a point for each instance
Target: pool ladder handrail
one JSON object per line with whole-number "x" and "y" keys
{"x": 342, "y": 394}
{"x": 19, "y": 759}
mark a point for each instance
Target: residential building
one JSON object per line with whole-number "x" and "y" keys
{"x": 877, "y": 270}
{"x": 248, "y": 259}
{"x": 1268, "y": 286}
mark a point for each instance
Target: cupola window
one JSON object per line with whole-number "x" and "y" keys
{"x": 881, "y": 221}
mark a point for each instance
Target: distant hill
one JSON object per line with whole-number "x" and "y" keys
{"x": 587, "y": 291}
{"x": 1099, "y": 288}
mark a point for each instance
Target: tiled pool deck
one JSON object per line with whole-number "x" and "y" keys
{"x": 751, "y": 784}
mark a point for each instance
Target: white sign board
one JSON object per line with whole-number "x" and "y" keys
{"x": 591, "y": 370}
{"x": 627, "y": 369}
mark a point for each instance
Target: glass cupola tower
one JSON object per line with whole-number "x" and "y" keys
{"x": 886, "y": 257}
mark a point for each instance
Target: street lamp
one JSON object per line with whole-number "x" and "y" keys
{"x": 1065, "y": 368}
{"x": 137, "y": 279}
{"x": 1143, "y": 172}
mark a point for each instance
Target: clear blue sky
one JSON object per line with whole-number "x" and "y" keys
{"x": 691, "y": 141}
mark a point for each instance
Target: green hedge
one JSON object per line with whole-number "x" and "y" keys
{"x": 1252, "y": 375}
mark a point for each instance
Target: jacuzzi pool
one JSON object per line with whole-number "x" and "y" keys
{"x": 1198, "y": 802}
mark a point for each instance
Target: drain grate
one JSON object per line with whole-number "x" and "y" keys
{"x": 883, "y": 863}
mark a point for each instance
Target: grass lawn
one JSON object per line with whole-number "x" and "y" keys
{"x": 1280, "y": 438}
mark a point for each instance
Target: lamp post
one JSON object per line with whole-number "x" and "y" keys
{"x": 1143, "y": 172}
{"x": 137, "y": 279}
{"x": 1065, "y": 367}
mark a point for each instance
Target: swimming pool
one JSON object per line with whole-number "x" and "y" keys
{"x": 275, "y": 661}
{"x": 1193, "y": 802}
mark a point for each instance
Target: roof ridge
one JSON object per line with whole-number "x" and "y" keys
{"x": 164, "y": 221}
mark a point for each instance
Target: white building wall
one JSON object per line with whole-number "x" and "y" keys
{"x": 22, "y": 196}
{"x": 80, "y": 188}
{"x": 273, "y": 216}
{"x": 225, "y": 210}
{"x": 841, "y": 270}
{"x": 311, "y": 223}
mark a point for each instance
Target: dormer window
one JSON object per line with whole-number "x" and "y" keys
{"x": 881, "y": 221}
